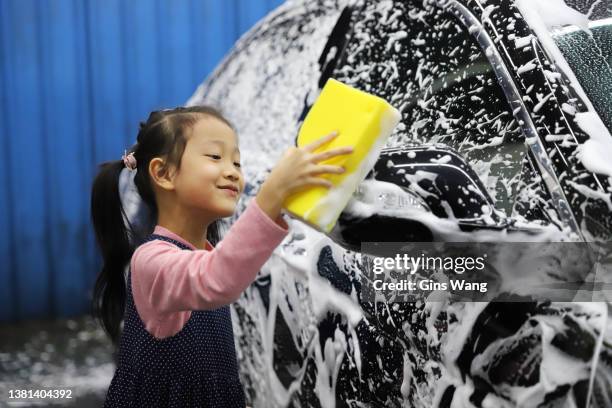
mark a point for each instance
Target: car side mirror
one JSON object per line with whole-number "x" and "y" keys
{"x": 410, "y": 189}
{"x": 440, "y": 177}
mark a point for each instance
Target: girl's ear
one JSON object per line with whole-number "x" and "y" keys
{"x": 160, "y": 174}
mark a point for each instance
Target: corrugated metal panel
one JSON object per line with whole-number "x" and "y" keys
{"x": 76, "y": 77}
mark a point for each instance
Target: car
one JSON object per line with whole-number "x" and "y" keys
{"x": 504, "y": 137}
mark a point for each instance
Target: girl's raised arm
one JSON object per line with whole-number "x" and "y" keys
{"x": 169, "y": 279}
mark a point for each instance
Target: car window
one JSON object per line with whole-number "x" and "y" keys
{"x": 428, "y": 64}
{"x": 589, "y": 54}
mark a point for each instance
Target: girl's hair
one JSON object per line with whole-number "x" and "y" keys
{"x": 164, "y": 134}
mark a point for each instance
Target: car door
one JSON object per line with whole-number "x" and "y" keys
{"x": 437, "y": 62}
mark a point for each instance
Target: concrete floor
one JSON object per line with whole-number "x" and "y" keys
{"x": 70, "y": 354}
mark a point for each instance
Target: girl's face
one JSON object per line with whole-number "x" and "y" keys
{"x": 210, "y": 178}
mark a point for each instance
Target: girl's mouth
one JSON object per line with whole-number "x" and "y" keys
{"x": 231, "y": 190}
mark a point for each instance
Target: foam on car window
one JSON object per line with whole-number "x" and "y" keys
{"x": 425, "y": 62}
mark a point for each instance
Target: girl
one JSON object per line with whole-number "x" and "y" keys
{"x": 177, "y": 345}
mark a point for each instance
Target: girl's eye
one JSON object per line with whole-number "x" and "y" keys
{"x": 237, "y": 165}
{"x": 214, "y": 156}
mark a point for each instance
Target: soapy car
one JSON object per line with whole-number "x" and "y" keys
{"x": 506, "y": 118}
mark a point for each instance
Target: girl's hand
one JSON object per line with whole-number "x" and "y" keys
{"x": 298, "y": 168}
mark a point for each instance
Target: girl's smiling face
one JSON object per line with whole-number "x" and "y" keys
{"x": 210, "y": 177}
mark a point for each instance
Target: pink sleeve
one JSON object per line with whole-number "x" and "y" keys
{"x": 171, "y": 279}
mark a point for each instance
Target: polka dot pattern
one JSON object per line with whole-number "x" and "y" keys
{"x": 196, "y": 367}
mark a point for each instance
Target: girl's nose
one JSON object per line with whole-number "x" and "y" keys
{"x": 232, "y": 173}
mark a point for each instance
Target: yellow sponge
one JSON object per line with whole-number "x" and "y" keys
{"x": 364, "y": 121}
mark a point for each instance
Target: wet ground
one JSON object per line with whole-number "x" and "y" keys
{"x": 66, "y": 354}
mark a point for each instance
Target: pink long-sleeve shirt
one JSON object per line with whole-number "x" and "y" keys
{"x": 168, "y": 282}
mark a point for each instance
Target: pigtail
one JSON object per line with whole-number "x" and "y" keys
{"x": 113, "y": 238}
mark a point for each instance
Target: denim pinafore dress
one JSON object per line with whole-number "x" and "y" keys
{"x": 196, "y": 367}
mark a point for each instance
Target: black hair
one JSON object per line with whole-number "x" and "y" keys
{"x": 164, "y": 134}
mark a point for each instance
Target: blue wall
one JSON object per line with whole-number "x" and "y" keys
{"x": 76, "y": 77}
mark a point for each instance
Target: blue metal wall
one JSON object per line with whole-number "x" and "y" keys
{"x": 76, "y": 77}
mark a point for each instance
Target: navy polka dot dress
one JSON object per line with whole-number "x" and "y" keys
{"x": 196, "y": 367}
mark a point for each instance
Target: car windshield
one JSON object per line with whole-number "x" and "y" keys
{"x": 589, "y": 54}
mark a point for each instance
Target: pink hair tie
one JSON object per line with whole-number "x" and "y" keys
{"x": 129, "y": 160}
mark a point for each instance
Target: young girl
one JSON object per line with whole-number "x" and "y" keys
{"x": 177, "y": 345}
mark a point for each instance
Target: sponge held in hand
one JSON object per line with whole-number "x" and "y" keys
{"x": 363, "y": 121}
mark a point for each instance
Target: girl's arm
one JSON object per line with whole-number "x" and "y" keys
{"x": 171, "y": 279}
